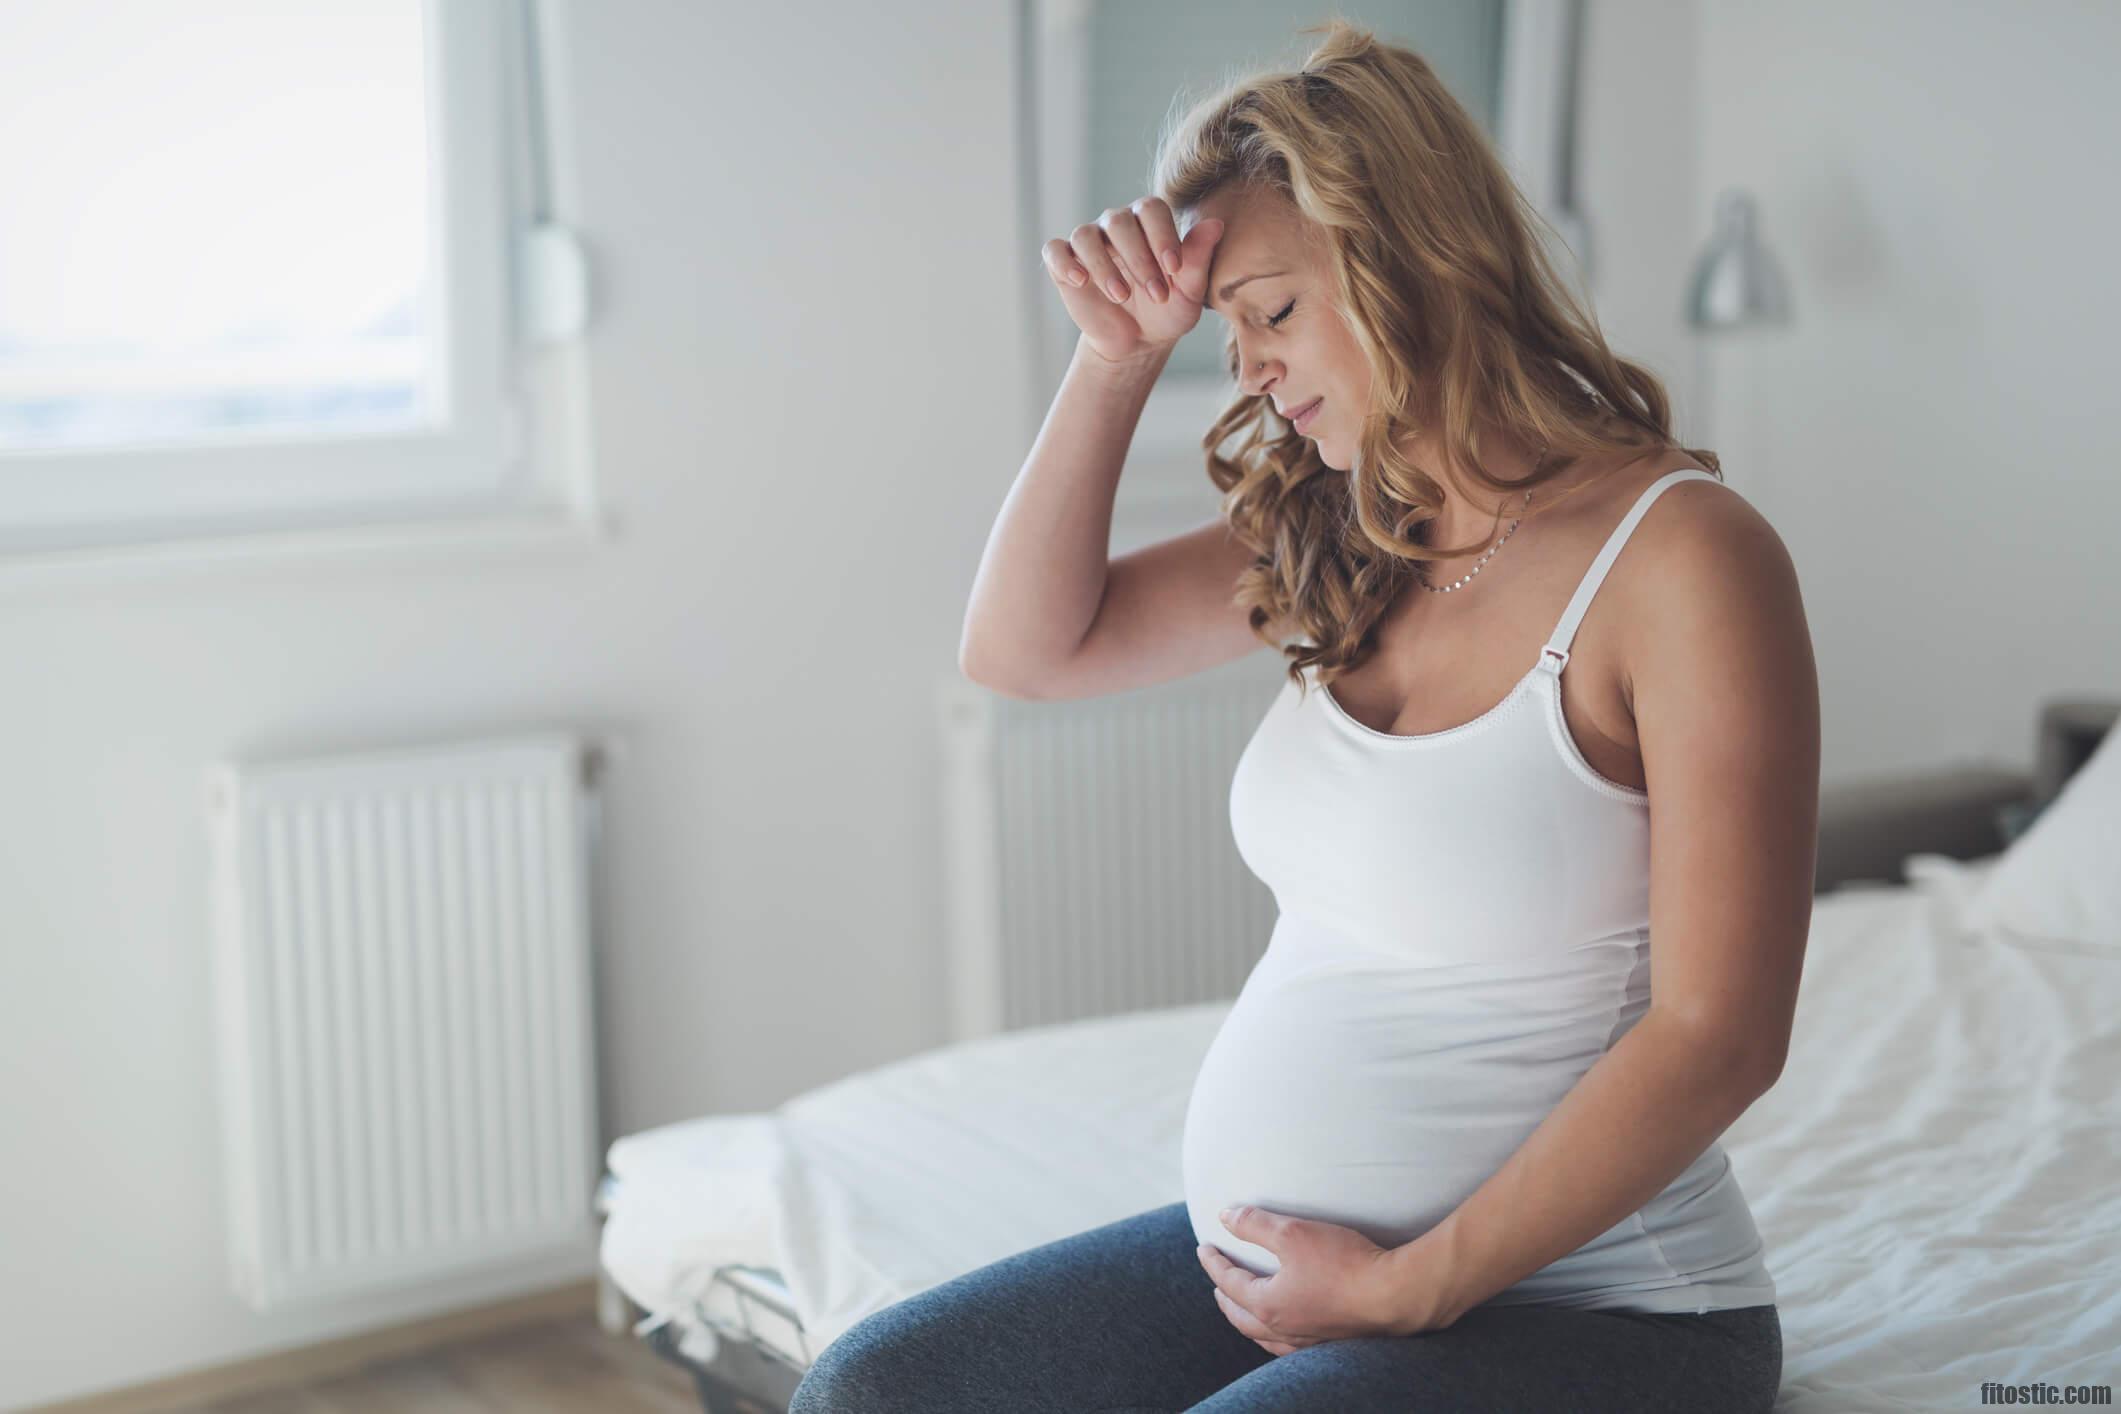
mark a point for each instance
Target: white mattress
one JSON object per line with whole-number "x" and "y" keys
{"x": 1933, "y": 1175}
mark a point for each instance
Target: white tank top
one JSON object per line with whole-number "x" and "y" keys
{"x": 1463, "y": 930}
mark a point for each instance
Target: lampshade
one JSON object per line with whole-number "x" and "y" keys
{"x": 1736, "y": 282}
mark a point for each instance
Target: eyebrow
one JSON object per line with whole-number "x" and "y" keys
{"x": 1223, "y": 294}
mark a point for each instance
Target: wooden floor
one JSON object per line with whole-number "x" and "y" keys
{"x": 562, "y": 1365}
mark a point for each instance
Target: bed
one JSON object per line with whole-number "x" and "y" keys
{"x": 1933, "y": 1174}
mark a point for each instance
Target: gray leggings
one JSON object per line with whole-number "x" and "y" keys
{"x": 1121, "y": 1318}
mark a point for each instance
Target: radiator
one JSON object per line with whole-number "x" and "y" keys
{"x": 402, "y": 963}
{"x": 1090, "y": 868}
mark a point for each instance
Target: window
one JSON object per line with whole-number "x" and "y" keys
{"x": 256, "y": 267}
{"x": 1138, "y": 57}
{"x": 1102, "y": 77}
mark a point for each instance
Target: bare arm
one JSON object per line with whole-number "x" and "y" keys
{"x": 1051, "y": 616}
{"x": 1043, "y": 572}
{"x": 1726, "y": 696}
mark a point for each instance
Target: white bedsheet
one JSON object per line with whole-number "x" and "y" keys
{"x": 1933, "y": 1175}
{"x": 687, "y": 1198}
{"x": 1935, "y": 1172}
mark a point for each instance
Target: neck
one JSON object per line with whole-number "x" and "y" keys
{"x": 1472, "y": 513}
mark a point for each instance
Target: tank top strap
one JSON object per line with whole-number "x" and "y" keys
{"x": 1555, "y": 656}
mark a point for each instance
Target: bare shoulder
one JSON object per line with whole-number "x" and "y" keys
{"x": 1705, "y": 531}
{"x": 1711, "y": 591}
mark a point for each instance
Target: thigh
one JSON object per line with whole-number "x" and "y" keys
{"x": 1509, "y": 1358}
{"x": 1121, "y": 1317}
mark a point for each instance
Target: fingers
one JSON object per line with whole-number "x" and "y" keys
{"x": 1258, "y": 1331}
{"x": 1244, "y": 1320}
{"x": 1196, "y": 254}
{"x": 1227, "y": 1275}
{"x": 1160, "y": 230}
{"x": 1062, "y": 265}
{"x": 1095, "y": 254}
{"x": 1130, "y": 248}
{"x": 1123, "y": 230}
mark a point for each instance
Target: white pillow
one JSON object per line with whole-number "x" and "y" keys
{"x": 2061, "y": 879}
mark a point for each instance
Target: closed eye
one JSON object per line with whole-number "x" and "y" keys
{"x": 1285, "y": 312}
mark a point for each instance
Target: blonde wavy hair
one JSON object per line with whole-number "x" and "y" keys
{"x": 1459, "y": 312}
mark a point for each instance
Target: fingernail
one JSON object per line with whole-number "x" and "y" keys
{"x": 1229, "y": 1215}
{"x": 1076, "y": 277}
{"x": 1159, "y": 289}
{"x": 1171, "y": 261}
{"x": 1115, "y": 289}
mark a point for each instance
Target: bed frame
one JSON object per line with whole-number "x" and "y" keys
{"x": 744, "y": 1375}
{"x": 1866, "y": 829}
{"x": 737, "y": 1371}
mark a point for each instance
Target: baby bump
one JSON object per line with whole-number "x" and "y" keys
{"x": 1371, "y": 1127}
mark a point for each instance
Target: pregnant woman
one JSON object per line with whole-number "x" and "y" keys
{"x": 1537, "y": 803}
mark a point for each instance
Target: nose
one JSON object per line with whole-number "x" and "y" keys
{"x": 1256, "y": 376}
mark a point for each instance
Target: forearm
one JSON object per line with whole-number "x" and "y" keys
{"x": 1634, "y": 1122}
{"x": 1043, "y": 573}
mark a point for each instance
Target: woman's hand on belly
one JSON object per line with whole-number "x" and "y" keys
{"x": 1333, "y": 1283}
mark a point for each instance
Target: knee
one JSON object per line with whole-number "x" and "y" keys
{"x": 834, "y": 1383}
{"x": 831, "y": 1385}
{"x": 859, "y": 1373}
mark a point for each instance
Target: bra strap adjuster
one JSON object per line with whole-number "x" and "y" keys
{"x": 1558, "y": 657}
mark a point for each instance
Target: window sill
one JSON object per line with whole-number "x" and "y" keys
{"x": 559, "y": 529}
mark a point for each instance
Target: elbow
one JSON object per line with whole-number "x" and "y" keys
{"x": 1751, "y": 1064}
{"x": 972, "y": 659}
{"x": 1755, "y": 1070}
{"x": 995, "y": 677}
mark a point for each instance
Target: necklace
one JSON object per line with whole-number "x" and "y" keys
{"x": 1423, "y": 576}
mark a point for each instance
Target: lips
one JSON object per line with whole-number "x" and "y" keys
{"x": 1305, "y": 413}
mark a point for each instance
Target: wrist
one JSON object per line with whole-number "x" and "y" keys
{"x": 1146, "y": 365}
{"x": 1418, "y": 1291}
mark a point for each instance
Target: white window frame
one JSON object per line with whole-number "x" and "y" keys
{"x": 509, "y": 460}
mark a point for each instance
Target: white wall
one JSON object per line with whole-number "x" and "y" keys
{"x": 1934, "y": 438}
{"x": 808, "y": 393}
{"x": 808, "y": 403}
{"x": 1637, "y": 150}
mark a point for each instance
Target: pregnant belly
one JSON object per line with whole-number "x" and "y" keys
{"x": 1376, "y": 1101}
